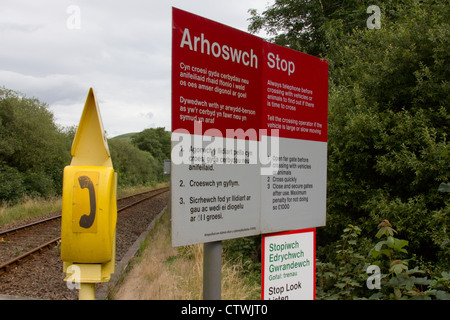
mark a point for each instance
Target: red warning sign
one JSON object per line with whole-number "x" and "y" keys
{"x": 216, "y": 76}
{"x": 266, "y": 107}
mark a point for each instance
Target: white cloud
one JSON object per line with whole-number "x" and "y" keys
{"x": 122, "y": 49}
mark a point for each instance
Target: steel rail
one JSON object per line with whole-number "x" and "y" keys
{"x": 162, "y": 190}
{"x": 27, "y": 255}
{"x": 5, "y": 232}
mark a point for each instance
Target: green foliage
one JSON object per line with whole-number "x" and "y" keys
{"x": 245, "y": 251}
{"x": 344, "y": 277}
{"x": 388, "y": 120}
{"x": 33, "y": 150}
{"x": 157, "y": 142}
{"x": 398, "y": 280}
{"x": 11, "y": 183}
{"x": 246, "y": 248}
{"x": 133, "y": 166}
{"x": 300, "y": 24}
{"x": 389, "y": 247}
{"x": 388, "y": 126}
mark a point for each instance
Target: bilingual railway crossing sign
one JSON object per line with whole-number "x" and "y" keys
{"x": 249, "y": 134}
{"x": 288, "y": 264}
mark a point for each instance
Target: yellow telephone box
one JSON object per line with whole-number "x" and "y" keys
{"x": 89, "y": 205}
{"x": 89, "y": 223}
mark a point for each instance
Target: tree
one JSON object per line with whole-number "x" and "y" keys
{"x": 388, "y": 118}
{"x": 156, "y": 141}
{"x": 299, "y": 24}
{"x": 388, "y": 126}
{"x": 33, "y": 149}
{"x": 133, "y": 166}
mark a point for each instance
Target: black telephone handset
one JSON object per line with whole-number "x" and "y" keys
{"x": 87, "y": 221}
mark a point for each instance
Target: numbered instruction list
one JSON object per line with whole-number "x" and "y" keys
{"x": 217, "y": 197}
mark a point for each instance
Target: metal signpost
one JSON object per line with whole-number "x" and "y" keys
{"x": 212, "y": 266}
{"x": 249, "y": 137}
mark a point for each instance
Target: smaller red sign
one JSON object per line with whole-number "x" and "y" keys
{"x": 295, "y": 93}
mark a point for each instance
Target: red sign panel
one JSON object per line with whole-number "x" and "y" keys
{"x": 229, "y": 79}
{"x": 295, "y": 95}
{"x": 216, "y": 76}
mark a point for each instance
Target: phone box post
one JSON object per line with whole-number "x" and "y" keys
{"x": 89, "y": 205}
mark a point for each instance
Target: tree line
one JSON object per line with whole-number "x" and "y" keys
{"x": 388, "y": 153}
{"x": 34, "y": 151}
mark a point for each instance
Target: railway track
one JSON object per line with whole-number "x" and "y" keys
{"x": 20, "y": 244}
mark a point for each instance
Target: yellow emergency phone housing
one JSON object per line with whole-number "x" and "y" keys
{"x": 89, "y": 204}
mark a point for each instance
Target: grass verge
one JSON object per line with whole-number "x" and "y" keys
{"x": 165, "y": 273}
{"x": 29, "y": 207}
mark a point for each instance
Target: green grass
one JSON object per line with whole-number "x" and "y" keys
{"x": 29, "y": 207}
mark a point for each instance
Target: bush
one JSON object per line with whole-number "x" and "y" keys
{"x": 33, "y": 150}
{"x": 346, "y": 277}
{"x": 388, "y": 126}
{"x": 133, "y": 166}
{"x": 11, "y": 184}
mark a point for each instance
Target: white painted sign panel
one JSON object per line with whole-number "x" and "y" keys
{"x": 294, "y": 195}
{"x": 216, "y": 200}
{"x": 289, "y": 265}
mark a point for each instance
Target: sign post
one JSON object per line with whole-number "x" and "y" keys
{"x": 249, "y": 135}
{"x": 212, "y": 266}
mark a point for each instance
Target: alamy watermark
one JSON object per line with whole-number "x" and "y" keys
{"x": 236, "y": 147}
{"x": 374, "y": 21}
{"x": 73, "y": 21}
{"x": 74, "y": 277}
{"x": 374, "y": 280}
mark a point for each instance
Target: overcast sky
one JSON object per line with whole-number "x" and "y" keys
{"x": 55, "y": 50}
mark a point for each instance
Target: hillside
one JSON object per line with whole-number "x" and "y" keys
{"x": 126, "y": 136}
